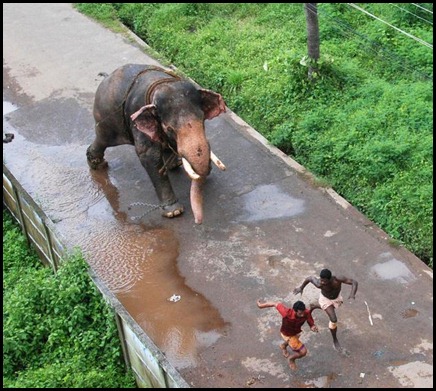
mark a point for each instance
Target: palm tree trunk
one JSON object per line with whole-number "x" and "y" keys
{"x": 311, "y": 11}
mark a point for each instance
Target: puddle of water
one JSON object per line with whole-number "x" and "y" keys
{"x": 393, "y": 270}
{"x": 270, "y": 202}
{"x": 140, "y": 266}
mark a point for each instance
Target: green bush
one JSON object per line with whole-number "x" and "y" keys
{"x": 57, "y": 329}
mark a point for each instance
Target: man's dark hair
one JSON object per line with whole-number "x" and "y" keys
{"x": 299, "y": 305}
{"x": 325, "y": 273}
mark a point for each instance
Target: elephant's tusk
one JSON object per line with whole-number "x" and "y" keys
{"x": 196, "y": 197}
{"x": 189, "y": 170}
{"x": 217, "y": 161}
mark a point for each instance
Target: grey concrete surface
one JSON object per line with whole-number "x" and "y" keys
{"x": 267, "y": 226}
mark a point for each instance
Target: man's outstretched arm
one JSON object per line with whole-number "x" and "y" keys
{"x": 349, "y": 281}
{"x": 311, "y": 279}
{"x": 266, "y": 304}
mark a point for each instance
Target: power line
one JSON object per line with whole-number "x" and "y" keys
{"x": 375, "y": 47}
{"x": 423, "y": 8}
{"x": 390, "y": 25}
{"x": 425, "y": 20}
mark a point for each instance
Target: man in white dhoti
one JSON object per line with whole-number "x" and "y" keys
{"x": 330, "y": 296}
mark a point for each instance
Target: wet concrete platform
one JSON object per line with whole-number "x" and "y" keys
{"x": 266, "y": 227}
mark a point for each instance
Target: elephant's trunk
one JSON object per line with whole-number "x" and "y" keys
{"x": 196, "y": 162}
{"x": 197, "y": 199}
{"x": 193, "y": 145}
{"x": 196, "y": 158}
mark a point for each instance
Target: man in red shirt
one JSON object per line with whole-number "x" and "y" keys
{"x": 292, "y": 320}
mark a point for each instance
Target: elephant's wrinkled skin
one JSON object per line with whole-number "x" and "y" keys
{"x": 163, "y": 116}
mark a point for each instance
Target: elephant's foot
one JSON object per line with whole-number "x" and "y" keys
{"x": 172, "y": 210}
{"x": 95, "y": 163}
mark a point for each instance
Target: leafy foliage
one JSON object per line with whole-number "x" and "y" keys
{"x": 365, "y": 125}
{"x": 57, "y": 330}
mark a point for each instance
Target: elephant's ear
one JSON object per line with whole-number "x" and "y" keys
{"x": 212, "y": 104}
{"x": 145, "y": 120}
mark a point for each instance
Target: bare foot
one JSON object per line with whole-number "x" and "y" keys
{"x": 292, "y": 365}
{"x": 285, "y": 352}
{"x": 337, "y": 346}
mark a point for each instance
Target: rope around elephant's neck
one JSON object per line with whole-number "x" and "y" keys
{"x": 152, "y": 88}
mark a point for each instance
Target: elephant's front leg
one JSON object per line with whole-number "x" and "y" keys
{"x": 151, "y": 160}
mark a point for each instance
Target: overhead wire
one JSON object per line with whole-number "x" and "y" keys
{"x": 390, "y": 25}
{"x": 375, "y": 47}
{"x": 419, "y": 17}
{"x": 423, "y": 8}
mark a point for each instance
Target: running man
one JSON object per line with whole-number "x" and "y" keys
{"x": 330, "y": 296}
{"x": 292, "y": 320}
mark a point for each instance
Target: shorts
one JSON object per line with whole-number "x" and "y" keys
{"x": 324, "y": 302}
{"x": 294, "y": 342}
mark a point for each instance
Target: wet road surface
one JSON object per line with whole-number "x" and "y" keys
{"x": 266, "y": 228}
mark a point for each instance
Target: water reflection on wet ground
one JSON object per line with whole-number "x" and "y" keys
{"x": 392, "y": 269}
{"x": 269, "y": 202}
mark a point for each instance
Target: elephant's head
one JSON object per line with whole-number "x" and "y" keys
{"x": 176, "y": 113}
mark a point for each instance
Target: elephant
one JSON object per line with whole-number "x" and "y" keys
{"x": 162, "y": 115}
